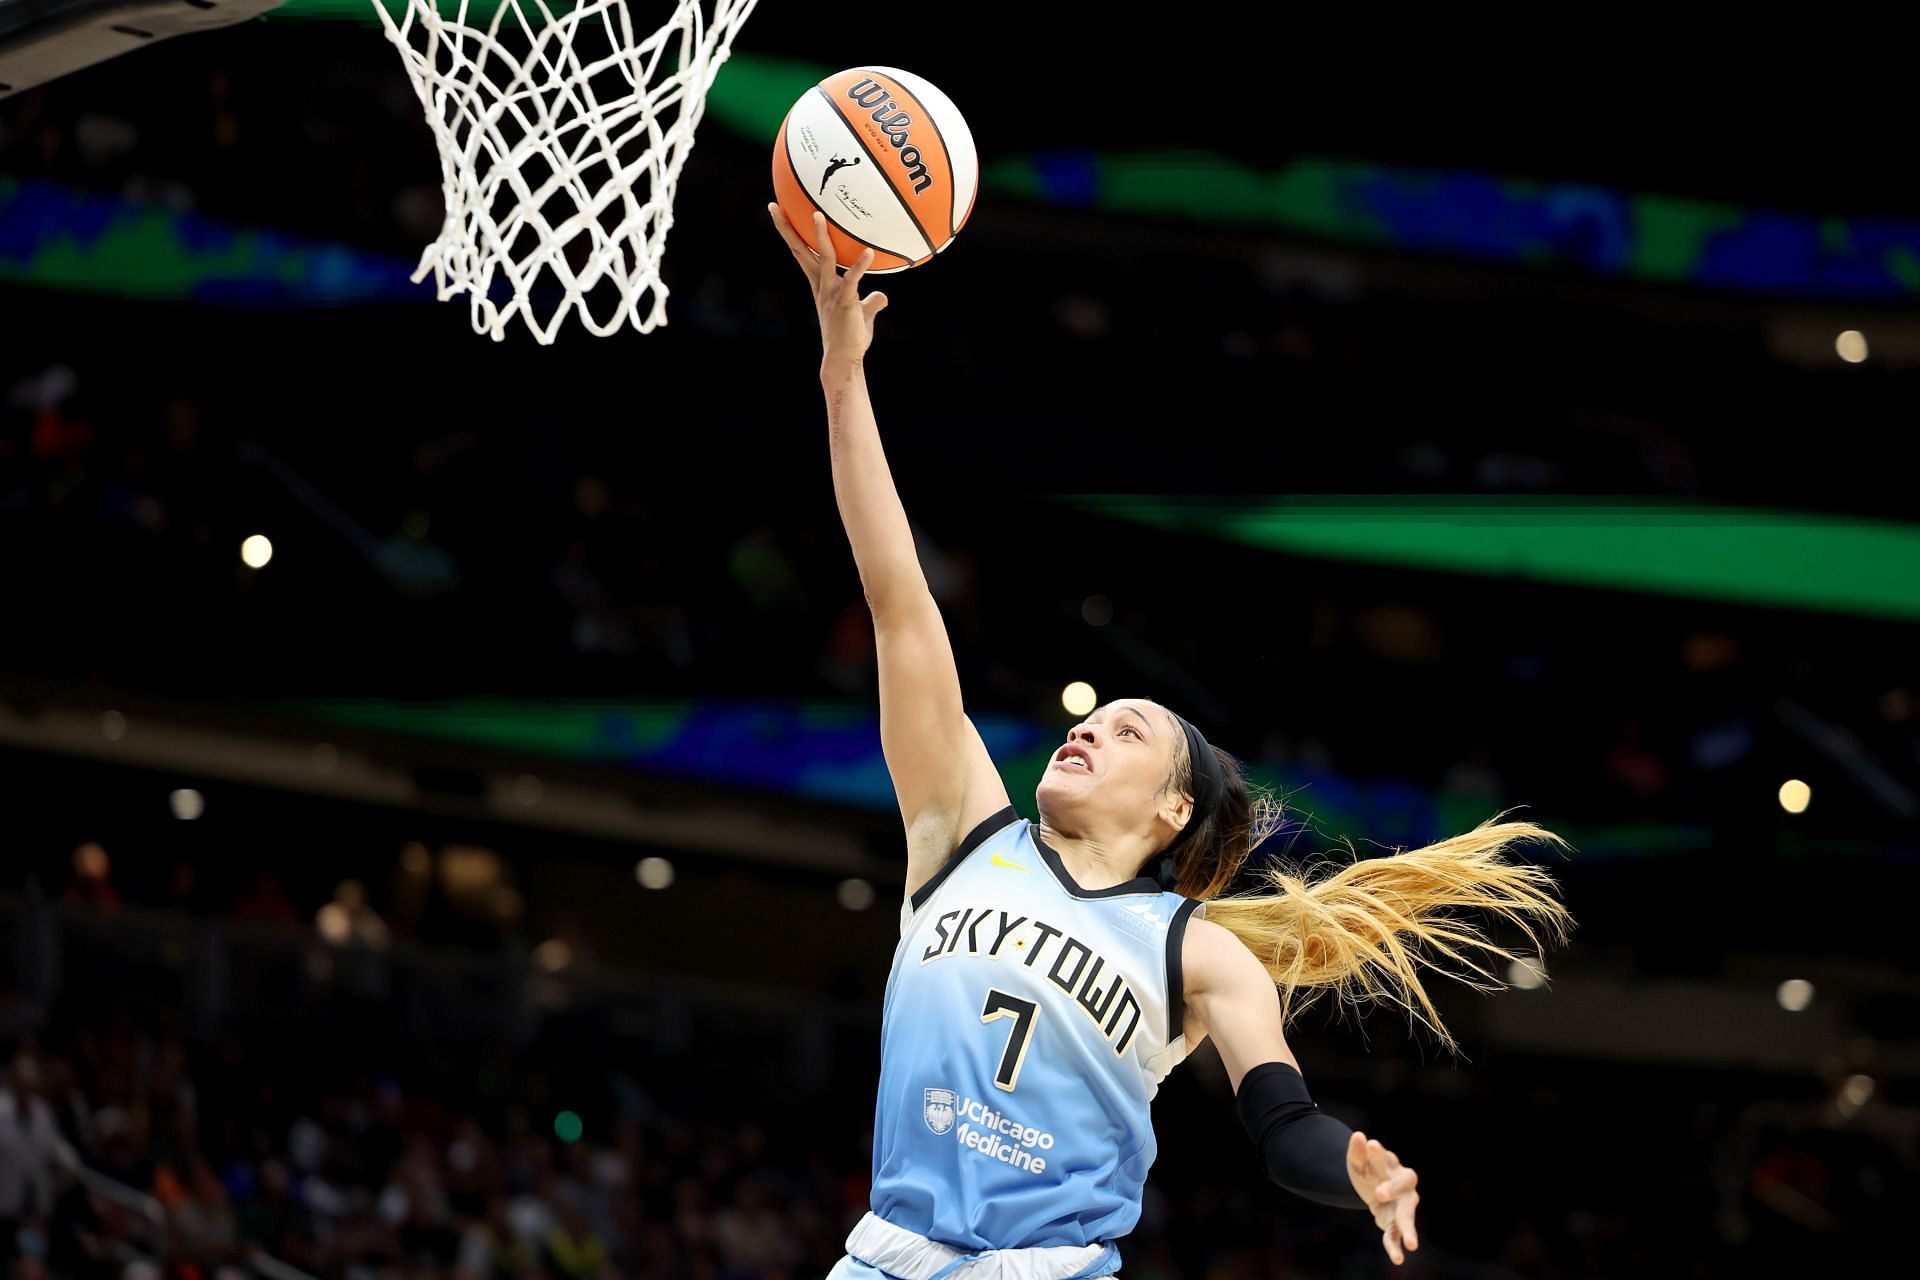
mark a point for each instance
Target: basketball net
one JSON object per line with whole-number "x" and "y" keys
{"x": 559, "y": 151}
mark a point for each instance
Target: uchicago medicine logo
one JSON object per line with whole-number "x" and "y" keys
{"x": 939, "y": 1109}
{"x": 986, "y": 1132}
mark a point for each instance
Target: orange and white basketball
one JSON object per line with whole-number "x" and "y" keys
{"x": 888, "y": 159}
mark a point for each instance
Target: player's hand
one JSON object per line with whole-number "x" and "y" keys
{"x": 1388, "y": 1188}
{"x": 846, "y": 320}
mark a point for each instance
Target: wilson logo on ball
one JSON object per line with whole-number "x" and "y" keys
{"x": 874, "y": 97}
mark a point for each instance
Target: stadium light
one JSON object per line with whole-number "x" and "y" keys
{"x": 1795, "y": 795}
{"x": 1795, "y": 994}
{"x": 1078, "y": 698}
{"x": 256, "y": 551}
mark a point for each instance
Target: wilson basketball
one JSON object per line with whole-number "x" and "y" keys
{"x": 887, "y": 157}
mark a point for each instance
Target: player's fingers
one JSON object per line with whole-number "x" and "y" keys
{"x": 1357, "y": 1163}
{"x": 1396, "y": 1184}
{"x": 1403, "y": 1218}
{"x": 801, "y": 254}
{"x": 1382, "y": 1161}
{"x": 1393, "y": 1246}
{"x": 1376, "y": 1165}
{"x": 824, "y": 243}
{"x": 858, "y": 269}
{"x": 809, "y": 262}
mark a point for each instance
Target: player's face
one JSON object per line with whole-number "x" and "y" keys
{"x": 1108, "y": 775}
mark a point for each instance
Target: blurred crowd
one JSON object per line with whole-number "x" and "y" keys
{"x": 360, "y": 1163}
{"x": 361, "y": 1178}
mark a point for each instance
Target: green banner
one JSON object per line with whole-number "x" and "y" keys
{"x": 1836, "y": 564}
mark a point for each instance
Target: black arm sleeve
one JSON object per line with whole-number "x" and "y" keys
{"x": 1305, "y": 1150}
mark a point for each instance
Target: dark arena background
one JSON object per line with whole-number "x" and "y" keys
{"x": 443, "y": 829}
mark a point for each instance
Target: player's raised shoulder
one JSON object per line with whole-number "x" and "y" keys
{"x": 1212, "y": 959}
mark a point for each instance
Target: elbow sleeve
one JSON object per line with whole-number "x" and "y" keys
{"x": 1304, "y": 1149}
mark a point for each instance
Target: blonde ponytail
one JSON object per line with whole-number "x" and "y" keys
{"x": 1366, "y": 930}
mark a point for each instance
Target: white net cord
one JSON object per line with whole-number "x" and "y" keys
{"x": 557, "y": 157}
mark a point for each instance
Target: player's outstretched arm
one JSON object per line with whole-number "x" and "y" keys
{"x": 942, "y": 776}
{"x": 1229, "y": 995}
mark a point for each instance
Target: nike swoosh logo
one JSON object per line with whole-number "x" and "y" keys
{"x": 999, "y": 861}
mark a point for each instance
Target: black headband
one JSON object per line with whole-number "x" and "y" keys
{"x": 1208, "y": 787}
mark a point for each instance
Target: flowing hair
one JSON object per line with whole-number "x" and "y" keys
{"x": 1364, "y": 931}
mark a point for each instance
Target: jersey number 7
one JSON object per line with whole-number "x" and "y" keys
{"x": 1023, "y": 1012}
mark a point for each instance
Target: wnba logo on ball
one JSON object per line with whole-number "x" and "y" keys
{"x": 873, "y": 96}
{"x": 939, "y": 1109}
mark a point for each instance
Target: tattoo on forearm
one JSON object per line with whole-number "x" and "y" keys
{"x": 833, "y": 419}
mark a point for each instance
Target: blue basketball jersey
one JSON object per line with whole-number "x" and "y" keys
{"x": 1028, "y": 1024}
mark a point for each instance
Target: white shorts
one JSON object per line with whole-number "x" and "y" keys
{"x": 851, "y": 1268}
{"x": 878, "y": 1250}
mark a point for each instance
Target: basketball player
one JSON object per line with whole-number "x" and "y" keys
{"x": 1051, "y": 973}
